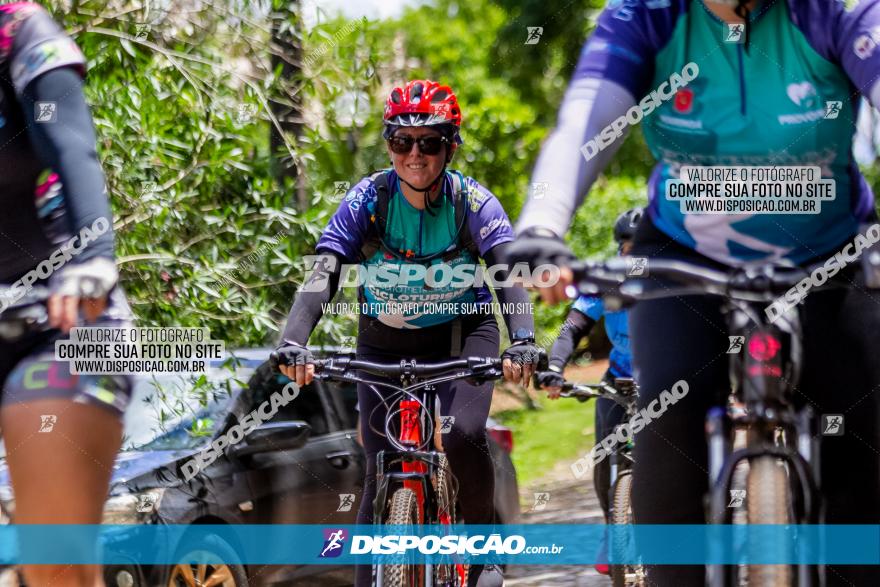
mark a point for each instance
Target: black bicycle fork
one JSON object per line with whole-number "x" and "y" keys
{"x": 803, "y": 467}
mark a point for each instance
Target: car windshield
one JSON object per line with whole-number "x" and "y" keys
{"x": 180, "y": 411}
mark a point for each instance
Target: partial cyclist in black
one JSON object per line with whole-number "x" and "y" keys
{"x": 55, "y": 233}
{"x": 584, "y": 314}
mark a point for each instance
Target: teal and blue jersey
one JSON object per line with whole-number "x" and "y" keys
{"x": 761, "y": 106}
{"x": 408, "y": 229}
{"x": 616, "y": 326}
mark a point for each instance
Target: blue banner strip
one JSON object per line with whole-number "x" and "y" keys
{"x": 541, "y": 544}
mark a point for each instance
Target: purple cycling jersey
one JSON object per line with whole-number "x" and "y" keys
{"x": 351, "y": 226}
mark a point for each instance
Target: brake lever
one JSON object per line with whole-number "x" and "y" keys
{"x": 582, "y": 398}
{"x": 483, "y": 373}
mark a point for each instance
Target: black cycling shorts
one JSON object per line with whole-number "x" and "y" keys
{"x": 30, "y": 372}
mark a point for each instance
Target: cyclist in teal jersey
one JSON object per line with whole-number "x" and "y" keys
{"x": 421, "y": 215}
{"x": 742, "y": 84}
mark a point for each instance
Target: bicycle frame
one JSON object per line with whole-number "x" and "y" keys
{"x": 417, "y": 469}
{"x": 624, "y": 393}
{"x": 763, "y": 375}
{"x": 418, "y": 466}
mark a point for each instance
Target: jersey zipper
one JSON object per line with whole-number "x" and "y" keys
{"x": 742, "y": 80}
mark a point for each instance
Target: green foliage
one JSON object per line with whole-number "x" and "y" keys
{"x": 562, "y": 430}
{"x": 206, "y": 233}
{"x": 189, "y": 173}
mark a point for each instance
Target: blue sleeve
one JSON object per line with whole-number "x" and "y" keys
{"x": 589, "y": 306}
{"x": 39, "y": 45}
{"x": 487, "y": 220}
{"x": 627, "y": 37}
{"x": 349, "y": 225}
{"x": 843, "y": 32}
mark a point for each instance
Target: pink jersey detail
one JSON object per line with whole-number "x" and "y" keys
{"x": 19, "y": 11}
{"x": 47, "y": 185}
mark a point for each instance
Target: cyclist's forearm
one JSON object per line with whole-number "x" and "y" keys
{"x": 308, "y": 307}
{"x": 563, "y": 175}
{"x": 516, "y": 297}
{"x": 67, "y": 146}
{"x": 577, "y": 325}
{"x": 513, "y": 297}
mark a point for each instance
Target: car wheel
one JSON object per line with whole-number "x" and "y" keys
{"x": 211, "y": 563}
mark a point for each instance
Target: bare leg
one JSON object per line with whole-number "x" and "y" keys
{"x": 61, "y": 476}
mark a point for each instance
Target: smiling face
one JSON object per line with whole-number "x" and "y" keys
{"x": 415, "y": 167}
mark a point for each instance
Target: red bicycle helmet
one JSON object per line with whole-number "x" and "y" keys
{"x": 422, "y": 103}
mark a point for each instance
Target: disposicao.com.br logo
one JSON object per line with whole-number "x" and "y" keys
{"x": 334, "y": 542}
{"x": 448, "y": 544}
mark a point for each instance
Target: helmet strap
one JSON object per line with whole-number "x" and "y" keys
{"x": 426, "y": 191}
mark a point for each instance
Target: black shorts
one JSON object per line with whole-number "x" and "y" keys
{"x": 30, "y": 372}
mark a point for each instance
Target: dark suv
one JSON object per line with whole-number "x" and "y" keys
{"x": 303, "y": 466}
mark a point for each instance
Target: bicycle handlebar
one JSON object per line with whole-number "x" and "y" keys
{"x": 477, "y": 366}
{"x": 750, "y": 282}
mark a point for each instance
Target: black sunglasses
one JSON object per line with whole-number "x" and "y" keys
{"x": 402, "y": 145}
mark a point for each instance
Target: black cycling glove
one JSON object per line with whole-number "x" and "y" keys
{"x": 522, "y": 353}
{"x": 549, "y": 378}
{"x": 290, "y": 353}
{"x": 538, "y": 246}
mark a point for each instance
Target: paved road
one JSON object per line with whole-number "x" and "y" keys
{"x": 571, "y": 502}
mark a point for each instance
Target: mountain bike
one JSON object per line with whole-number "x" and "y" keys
{"x": 414, "y": 484}
{"x": 624, "y": 392}
{"x": 781, "y": 447}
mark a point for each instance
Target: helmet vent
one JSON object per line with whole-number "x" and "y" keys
{"x": 396, "y": 97}
{"x": 439, "y": 96}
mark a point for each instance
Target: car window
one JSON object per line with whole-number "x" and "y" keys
{"x": 306, "y": 406}
{"x": 344, "y": 398}
{"x": 178, "y": 411}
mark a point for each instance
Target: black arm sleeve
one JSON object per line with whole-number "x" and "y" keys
{"x": 514, "y": 297}
{"x": 577, "y": 325}
{"x": 67, "y": 145}
{"x": 308, "y": 307}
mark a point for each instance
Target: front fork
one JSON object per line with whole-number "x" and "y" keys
{"x": 803, "y": 466}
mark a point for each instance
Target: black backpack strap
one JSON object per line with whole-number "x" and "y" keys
{"x": 460, "y": 195}
{"x": 380, "y": 214}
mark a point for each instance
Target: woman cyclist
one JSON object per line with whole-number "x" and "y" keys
{"x": 583, "y": 315}
{"x": 777, "y": 83}
{"x": 61, "y": 431}
{"x": 419, "y": 212}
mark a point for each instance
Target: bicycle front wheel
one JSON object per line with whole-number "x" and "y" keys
{"x": 621, "y": 513}
{"x": 404, "y": 511}
{"x": 769, "y": 501}
{"x": 453, "y": 574}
